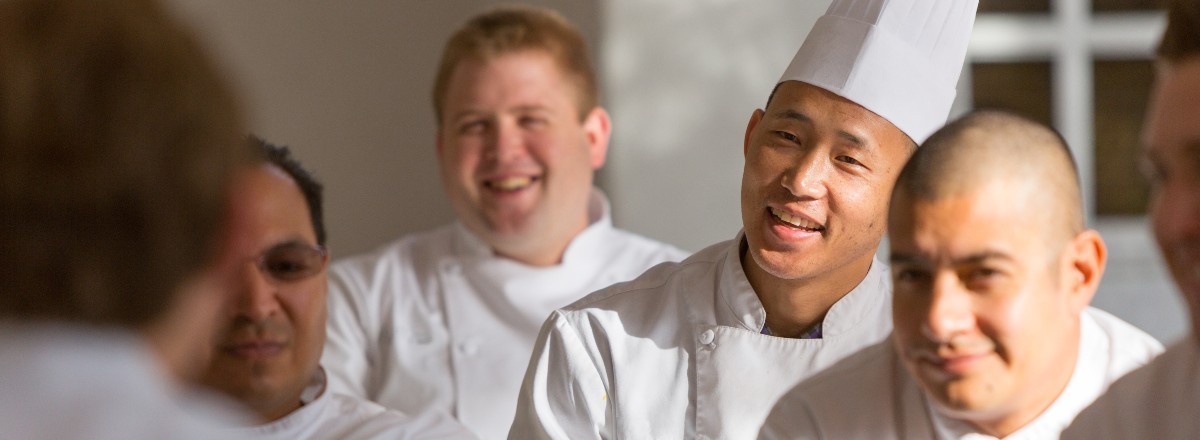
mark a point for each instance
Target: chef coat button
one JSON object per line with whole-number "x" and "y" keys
{"x": 452, "y": 268}
{"x": 707, "y": 337}
{"x": 467, "y": 348}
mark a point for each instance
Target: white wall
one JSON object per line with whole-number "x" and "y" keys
{"x": 347, "y": 85}
{"x": 682, "y": 79}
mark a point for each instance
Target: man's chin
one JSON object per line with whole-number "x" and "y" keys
{"x": 783, "y": 265}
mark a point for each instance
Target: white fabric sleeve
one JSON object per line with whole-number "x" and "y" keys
{"x": 563, "y": 395}
{"x": 346, "y": 357}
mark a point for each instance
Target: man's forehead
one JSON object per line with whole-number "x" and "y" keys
{"x": 1170, "y": 123}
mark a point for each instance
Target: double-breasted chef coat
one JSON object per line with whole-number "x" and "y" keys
{"x": 679, "y": 353}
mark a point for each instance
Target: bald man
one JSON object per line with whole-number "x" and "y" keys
{"x": 992, "y": 271}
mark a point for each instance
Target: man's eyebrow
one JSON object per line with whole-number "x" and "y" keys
{"x": 465, "y": 113}
{"x": 853, "y": 139}
{"x": 531, "y": 107}
{"x": 903, "y": 258}
{"x": 788, "y": 113}
{"x": 984, "y": 256}
{"x": 979, "y": 257}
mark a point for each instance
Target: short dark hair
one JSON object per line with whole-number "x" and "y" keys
{"x": 119, "y": 141}
{"x": 1182, "y": 36}
{"x": 281, "y": 156}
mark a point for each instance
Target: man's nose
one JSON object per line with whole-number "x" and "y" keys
{"x": 951, "y": 311}
{"x": 506, "y": 142}
{"x": 256, "y": 296}
{"x": 808, "y": 176}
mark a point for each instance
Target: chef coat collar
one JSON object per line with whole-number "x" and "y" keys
{"x": 306, "y": 414}
{"x": 742, "y": 308}
{"x": 467, "y": 244}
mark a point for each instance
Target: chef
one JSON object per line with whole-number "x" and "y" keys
{"x": 267, "y": 352}
{"x": 1159, "y": 401}
{"x": 703, "y": 348}
{"x": 992, "y": 271}
{"x": 446, "y": 319}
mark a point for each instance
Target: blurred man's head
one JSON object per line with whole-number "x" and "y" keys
{"x": 119, "y": 142}
{"x": 519, "y": 131}
{"x": 1171, "y": 140}
{"x": 992, "y": 268}
{"x": 273, "y": 332}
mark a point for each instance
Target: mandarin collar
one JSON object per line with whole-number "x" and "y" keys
{"x": 740, "y": 306}
{"x": 467, "y": 245}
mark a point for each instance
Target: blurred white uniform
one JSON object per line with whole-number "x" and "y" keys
{"x": 679, "y": 353}
{"x": 871, "y": 394}
{"x": 1157, "y": 401}
{"x": 438, "y": 321}
{"x": 68, "y": 381}
{"x": 332, "y": 416}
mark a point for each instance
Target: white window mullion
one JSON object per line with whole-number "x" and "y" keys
{"x": 1072, "y": 92}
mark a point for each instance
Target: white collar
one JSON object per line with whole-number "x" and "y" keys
{"x": 744, "y": 309}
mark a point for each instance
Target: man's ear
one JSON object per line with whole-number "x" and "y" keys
{"x": 1085, "y": 260}
{"x": 754, "y": 119}
{"x": 597, "y": 129}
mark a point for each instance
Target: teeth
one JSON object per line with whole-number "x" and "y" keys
{"x": 511, "y": 183}
{"x": 793, "y": 220}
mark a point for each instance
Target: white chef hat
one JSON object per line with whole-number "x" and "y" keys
{"x": 898, "y": 58}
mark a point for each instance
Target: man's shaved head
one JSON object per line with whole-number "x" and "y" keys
{"x": 994, "y": 147}
{"x": 991, "y": 262}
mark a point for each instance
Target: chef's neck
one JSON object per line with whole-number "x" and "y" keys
{"x": 794, "y": 306}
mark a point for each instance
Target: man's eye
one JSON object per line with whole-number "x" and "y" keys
{"x": 285, "y": 267}
{"x": 473, "y": 127}
{"x": 532, "y": 121}
{"x": 849, "y": 160}
{"x": 983, "y": 278}
{"x": 293, "y": 263}
{"x": 789, "y": 137}
{"x": 912, "y": 275}
{"x": 983, "y": 273}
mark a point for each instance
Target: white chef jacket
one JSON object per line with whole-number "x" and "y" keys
{"x": 1158, "y": 401}
{"x": 334, "y": 416}
{"x": 437, "y": 321}
{"x": 679, "y": 353}
{"x": 871, "y": 394}
{"x": 68, "y": 381}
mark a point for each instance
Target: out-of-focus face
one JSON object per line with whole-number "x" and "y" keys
{"x": 817, "y": 179}
{"x": 516, "y": 158}
{"x": 1172, "y": 148}
{"x": 986, "y": 310}
{"x": 274, "y": 329}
